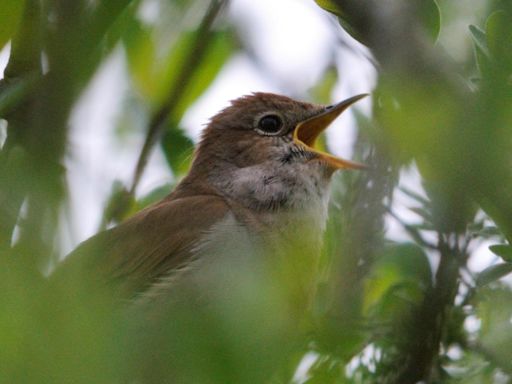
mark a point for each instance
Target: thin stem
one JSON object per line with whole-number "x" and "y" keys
{"x": 188, "y": 67}
{"x": 413, "y": 232}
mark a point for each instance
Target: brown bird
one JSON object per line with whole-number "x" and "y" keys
{"x": 256, "y": 185}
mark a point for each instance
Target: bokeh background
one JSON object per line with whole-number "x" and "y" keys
{"x": 102, "y": 103}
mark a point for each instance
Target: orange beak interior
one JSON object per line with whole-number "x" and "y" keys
{"x": 308, "y": 131}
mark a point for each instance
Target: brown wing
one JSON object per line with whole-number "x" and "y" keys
{"x": 151, "y": 243}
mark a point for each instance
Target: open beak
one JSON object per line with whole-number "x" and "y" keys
{"x": 308, "y": 130}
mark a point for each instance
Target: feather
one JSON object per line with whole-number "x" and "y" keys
{"x": 149, "y": 245}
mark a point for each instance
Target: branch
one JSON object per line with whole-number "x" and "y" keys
{"x": 37, "y": 112}
{"x": 188, "y": 67}
{"x": 411, "y": 230}
{"x": 418, "y": 358}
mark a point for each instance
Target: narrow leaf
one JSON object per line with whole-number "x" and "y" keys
{"x": 178, "y": 149}
{"x": 155, "y": 195}
{"x": 416, "y": 196}
{"x": 489, "y": 231}
{"x": 334, "y": 8}
{"x": 498, "y": 30}
{"x": 120, "y": 204}
{"x": 430, "y": 15}
{"x": 220, "y": 49}
{"x": 502, "y": 250}
{"x": 425, "y": 214}
{"x": 479, "y": 38}
{"x": 330, "y": 6}
{"x": 482, "y": 54}
{"x": 493, "y": 273}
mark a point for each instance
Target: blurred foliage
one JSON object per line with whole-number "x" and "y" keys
{"x": 9, "y": 19}
{"x": 427, "y": 12}
{"x": 384, "y": 311}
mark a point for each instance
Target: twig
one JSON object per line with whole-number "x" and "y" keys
{"x": 413, "y": 232}
{"x": 188, "y": 67}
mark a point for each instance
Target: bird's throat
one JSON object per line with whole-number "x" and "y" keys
{"x": 276, "y": 187}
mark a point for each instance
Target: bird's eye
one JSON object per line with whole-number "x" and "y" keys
{"x": 270, "y": 124}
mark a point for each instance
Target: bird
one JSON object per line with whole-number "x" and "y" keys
{"x": 256, "y": 186}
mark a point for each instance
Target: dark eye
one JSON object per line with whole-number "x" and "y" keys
{"x": 270, "y": 124}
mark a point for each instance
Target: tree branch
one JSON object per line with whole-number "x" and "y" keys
{"x": 185, "y": 72}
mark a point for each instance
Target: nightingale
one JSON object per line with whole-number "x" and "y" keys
{"x": 256, "y": 182}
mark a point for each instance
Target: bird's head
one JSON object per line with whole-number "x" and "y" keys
{"x": 266, "y": 138}
{"x": 266, "y": 127}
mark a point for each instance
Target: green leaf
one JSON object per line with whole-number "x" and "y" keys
{"x": 10, "y": 16}
{"x": 489, "y": 231}
{"x": 322, "y": 90}
{"x": 154, "y": 77}
{"x": 425, "y": 214}
{"x": 479, "y": 38}
{"x": 409, "y": 260}
{"x": 397, "y": 301}
{"x": 497, "y": 210}
{"x": 120, "y": 203}
{"x": 325, "y": 370}
{"x": 430, "y": 16}
{"x": 493, "y": 273}
{"x": 416, "y": 196}
{"x": 141, "y": 57}
{"x": 330, "y": 6}
{"x": 220, "y": 49}
{"x": 499, "y": 36}
{"x": 178, "y": 149}
{"x": 497, "y": 30}
{"x": 502, "y": 250}
{"x": 155, "y": 195}
{"x": 483, "y": 62}
{"x": 423, "y": 227}
{"x": 124, "y": 25}
{"x": 398, "y": 266}
{"x": 481, "y": 50}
